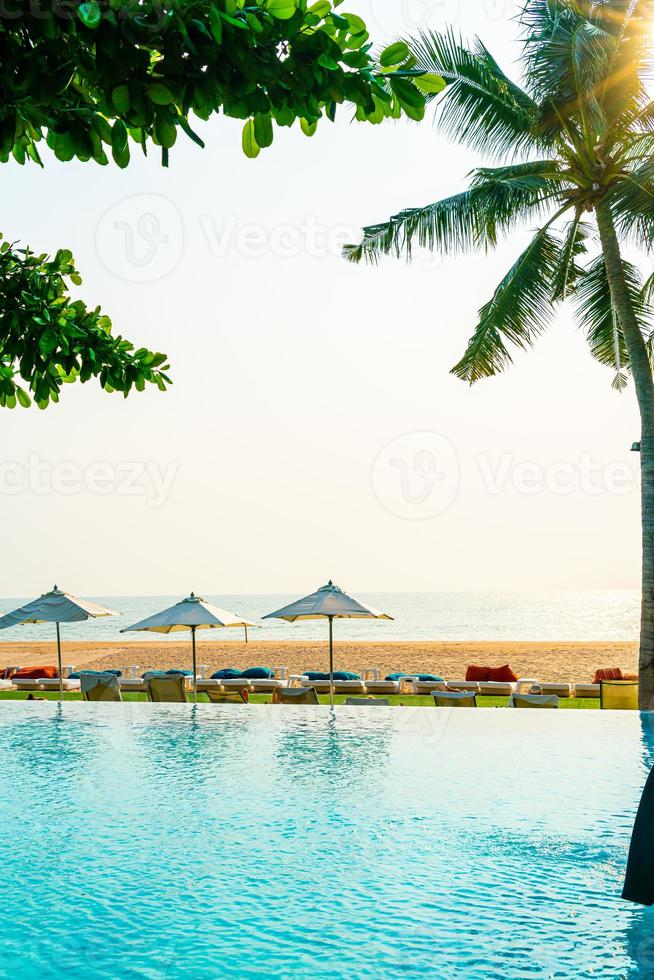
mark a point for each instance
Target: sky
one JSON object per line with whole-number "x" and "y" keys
{"x": 313, "y": 430}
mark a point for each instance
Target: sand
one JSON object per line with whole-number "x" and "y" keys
{"x": 567, "y": 662}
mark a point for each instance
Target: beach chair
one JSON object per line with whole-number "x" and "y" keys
{"x": 454, "y": 699}
{"x": 619, "y": 695}
{"x": 383, "y": 687}
{"x": 533, "y": 701}
{"x": 367, "y": 702}
{"x": 100, "y": 687}
{"x": 52, "y": 684}
{"x": 295, "y": 695}
{"x": 171, "y": 689}
{"x": 227, "y": 697}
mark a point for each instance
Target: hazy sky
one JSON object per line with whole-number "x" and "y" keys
{"x": 313, "y": 429}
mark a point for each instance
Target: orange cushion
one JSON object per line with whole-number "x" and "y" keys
{"x": 477, "y": 673}
{"x": 630, "y": 677}
{"x": 608, "y": 674}
{"x": 35, "y": 672}
{"x": 501, "y": 674}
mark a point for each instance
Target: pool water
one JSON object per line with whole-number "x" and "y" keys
{"x": 165, "y": 841}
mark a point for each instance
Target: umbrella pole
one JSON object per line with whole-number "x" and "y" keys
{"x": 61, "y": 679}
{"x": 331, "y": 661}
{"x": 195, "y": 670}
{"x": 246, "y": 634}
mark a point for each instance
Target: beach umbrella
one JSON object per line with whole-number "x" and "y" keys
{"x": 191, "y": 614}
{"x": 55, "y": 607}
{"x": 328, "y": 603}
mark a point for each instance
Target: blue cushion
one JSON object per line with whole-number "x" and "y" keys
{"x": 339, "y": 675}
{"x": 153, "y": 673}
{"x": 76, "y": 674}
{"x": 258, "y": 673}
{"x": 179, "y": 673}
{"x": 421, "y": 677}
{"x": 228, "y": 674}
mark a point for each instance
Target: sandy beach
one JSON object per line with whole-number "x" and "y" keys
{"x": 547, "y": 661}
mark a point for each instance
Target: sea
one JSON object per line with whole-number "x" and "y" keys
{"x": 501, "y": 616}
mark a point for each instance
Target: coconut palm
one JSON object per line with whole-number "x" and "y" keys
{"x": 573, "y": 151}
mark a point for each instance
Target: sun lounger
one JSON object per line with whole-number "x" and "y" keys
{"x": 100, "y": 687}
{"x": 295, "y": 695}
{"x": 587, "y": 690}
{"x": 497, "y": 689}
{"x": 227, "y": 697}
{"x": 341, "y": 687}
{"x": 6, "y": 685}
{"x": 29, "y": 683}
{"x": 533, "y": 701}
{"x": 132, "y": 685}
{"x": 367, "y": 702}
{"x": 619, "y": 695}
{"x": 561, "y": 690}
{"x": 52, "y": 684}
{"x": 238, "y": 684}
{"x": 426, "y": 687}
{"x": 383, "y": 687}
{"x": 454, "y": 699}
{"x": 470, "y": 687}
{"x": 171, "y": 688}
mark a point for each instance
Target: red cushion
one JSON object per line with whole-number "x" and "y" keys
{"x": 35, "y": 672}
{"x": 608, "y": 674}
{"x": 477, "y": 673}
{"x": 501, "y": 674}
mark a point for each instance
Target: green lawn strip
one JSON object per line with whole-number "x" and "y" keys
{"x": 405, "y": 700}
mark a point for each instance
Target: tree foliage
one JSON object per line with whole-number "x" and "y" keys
{"x": 47, "y": 339}
{"x": 94, "y": 80}
{"x": 578, "y": 136}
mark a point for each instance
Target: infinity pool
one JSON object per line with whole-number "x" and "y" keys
{"x": 176, "y": 842}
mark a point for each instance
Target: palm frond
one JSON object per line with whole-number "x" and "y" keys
{"x": 517, "y": 314}
{"x": 481, "y": 106}
{"x": 599, "y": 320}
{"x": 497, "y": 200}
{"x": 632, "y": 202}
{"x": 568, "y": 272}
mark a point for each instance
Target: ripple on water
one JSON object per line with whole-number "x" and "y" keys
{"x": 158, "y": 842}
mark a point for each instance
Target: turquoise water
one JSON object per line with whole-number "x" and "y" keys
{"x": 583, "y": 615}
{"x": 200, "y": 842}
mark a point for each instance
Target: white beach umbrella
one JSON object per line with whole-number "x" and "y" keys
{"x": 191, "y": 614}
{"x": 55, "y": 607}
{"x": 328, "y": 603}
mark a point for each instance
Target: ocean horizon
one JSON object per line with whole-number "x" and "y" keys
{"x": 603, "y": 615}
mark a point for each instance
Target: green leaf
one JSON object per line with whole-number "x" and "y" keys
{"x": 216, "y": 24}
{"x": 119, "y": 136}
{"x": 23, "y": 397}
{"x": 263, "y": 129}
{"x": 407, "y": 93}
{"x": 307, "y": 127}
{"x": 282, "y": 9}
{"x": 429, "y": 83}
{"x": 327, "y": 62}
{"x": 321, "y": 8}
{"x": 90, "y": 14}
{"x": 250, "y": 146}
{"x": 394, "y": 54}
{"x": 121, "y": 100}
{"x": 160, "y": 94}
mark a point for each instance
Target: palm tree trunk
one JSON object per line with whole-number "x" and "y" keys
{"x": 642, "y": 374}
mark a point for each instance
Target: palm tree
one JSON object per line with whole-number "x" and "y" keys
{"x": 576, "y": 148}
